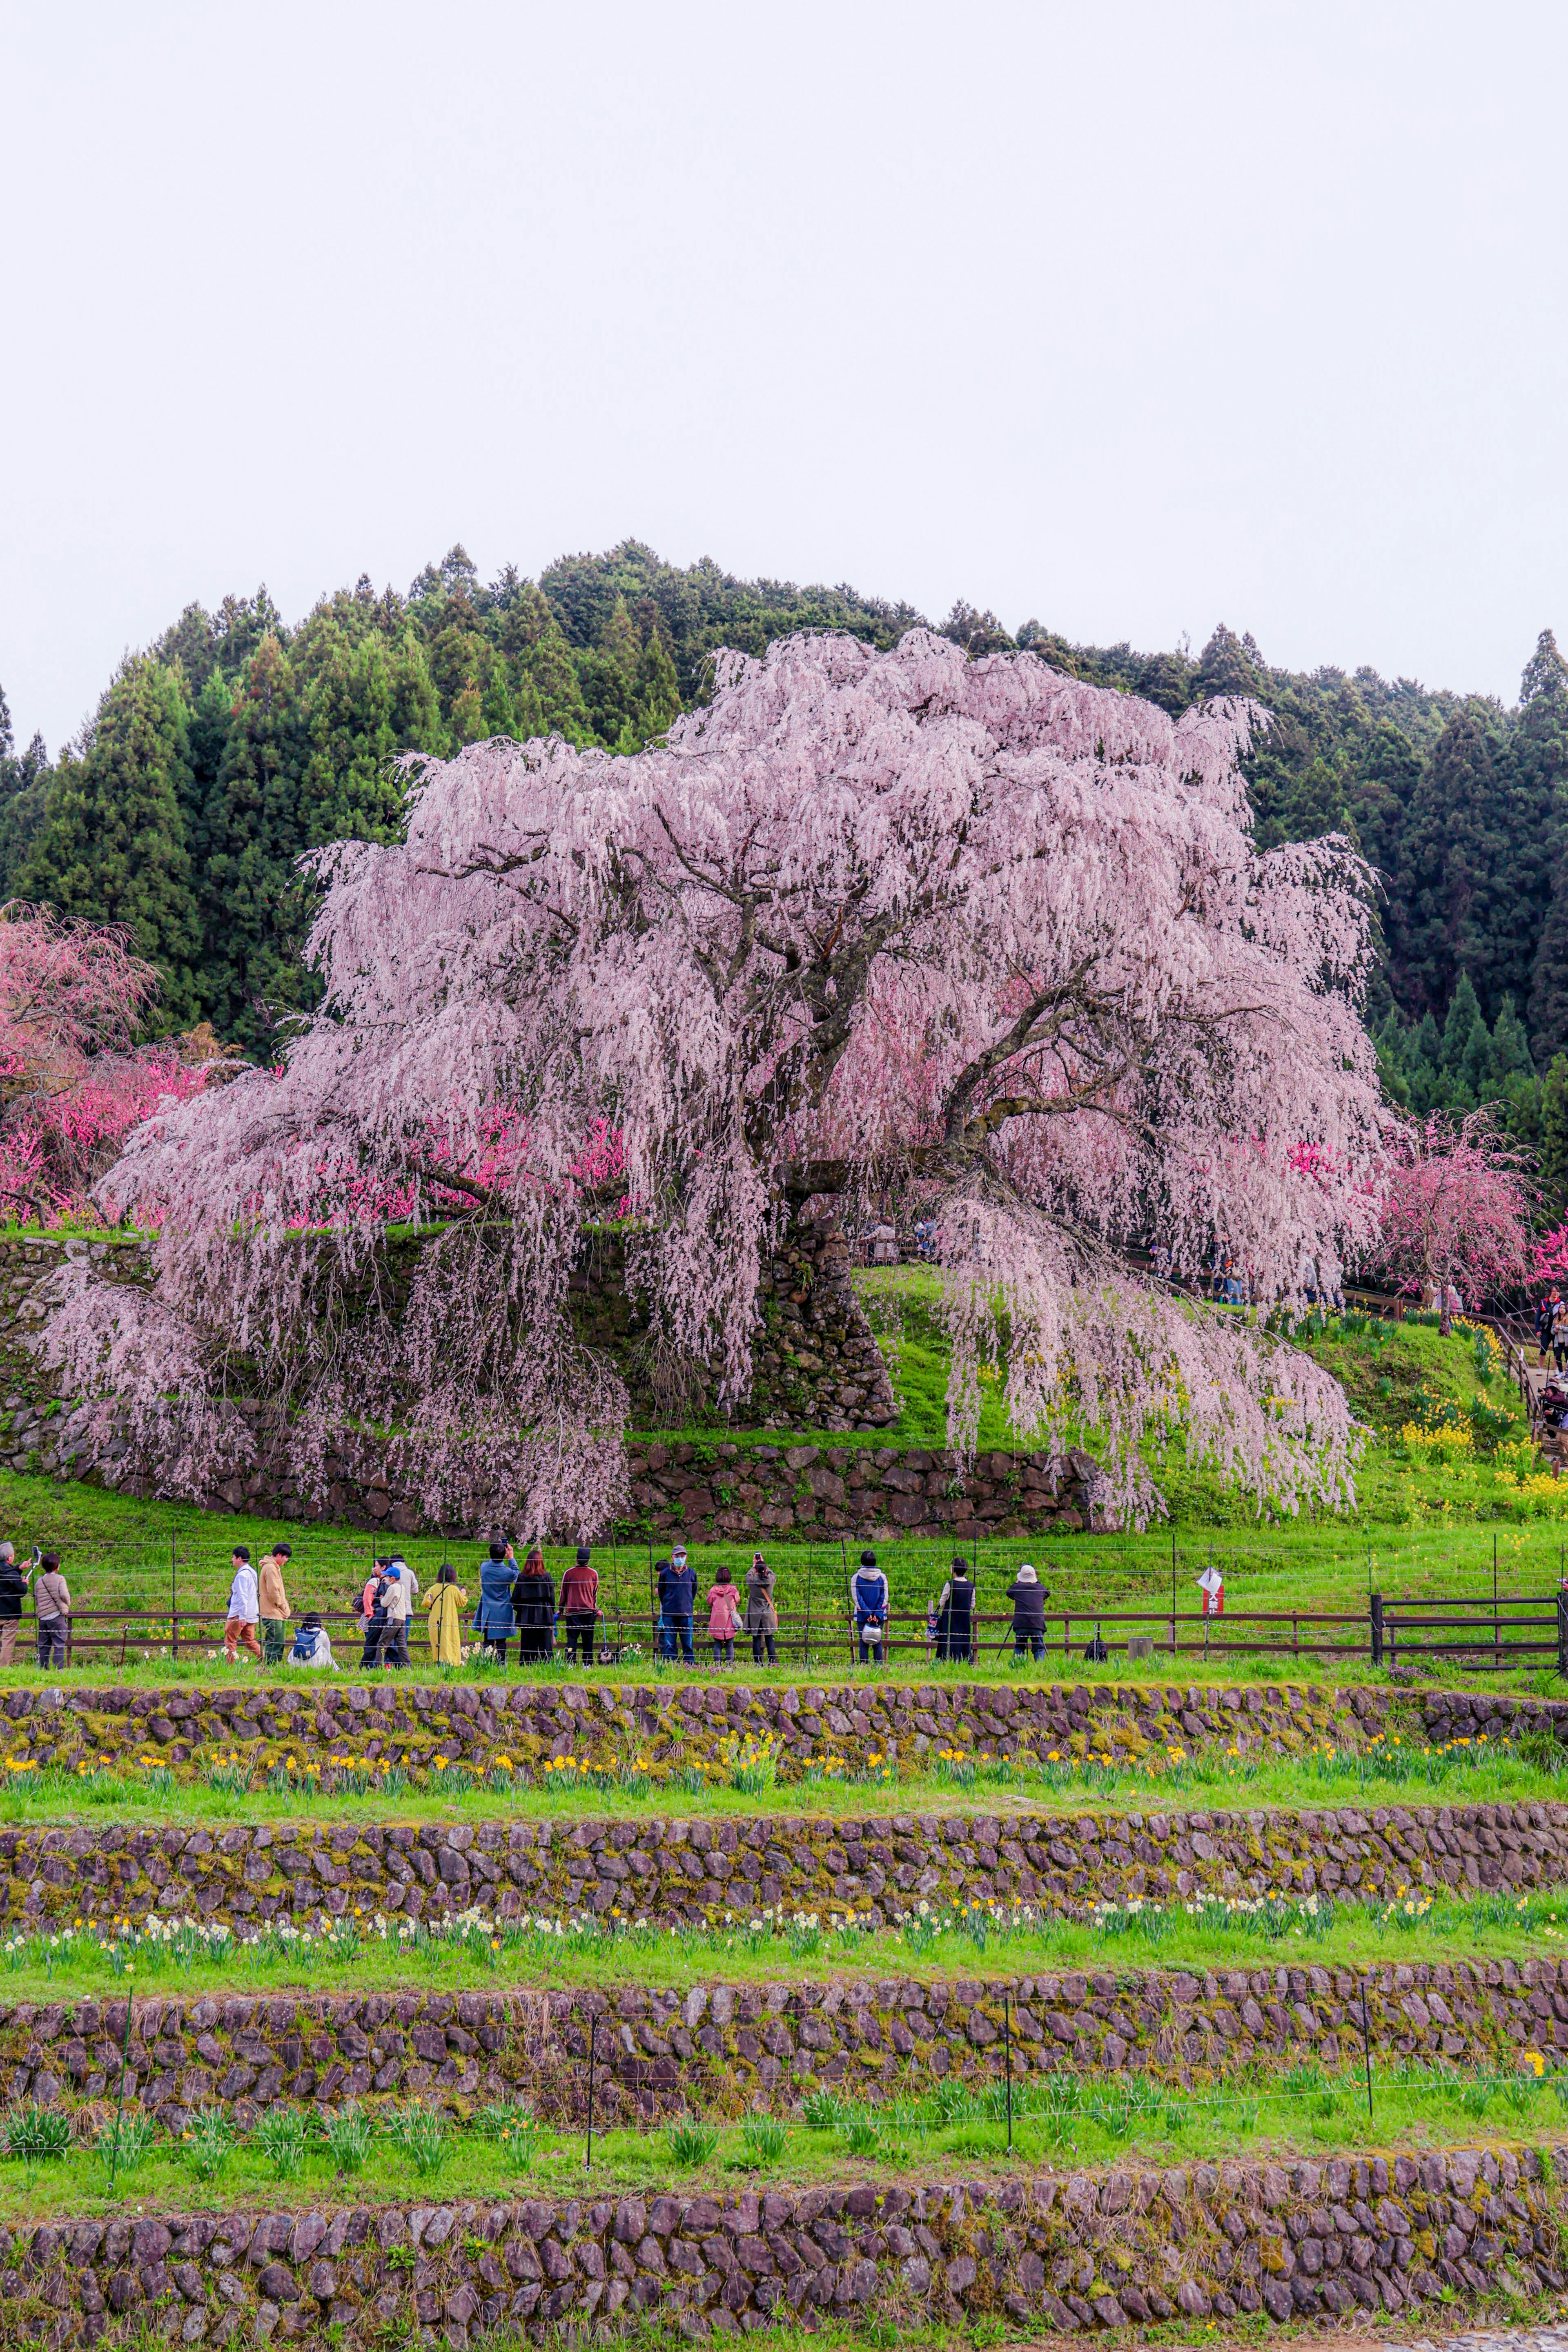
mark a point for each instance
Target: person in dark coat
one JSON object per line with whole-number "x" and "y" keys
{"x": 1027, "y": 1596}
{"x": 955, "y": 1615}
{"x": 677, "y": 1595}
{"x": 14, "y": 1583}
{"x": 533, "y": 1603}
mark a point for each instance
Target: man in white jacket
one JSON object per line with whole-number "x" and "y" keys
{"x": 403, "y": 1585}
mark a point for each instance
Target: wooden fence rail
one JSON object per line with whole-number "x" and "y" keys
{"x": 1489, "y": 1630}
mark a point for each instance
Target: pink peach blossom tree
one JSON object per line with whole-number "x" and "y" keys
{"x": 865, "y": 920}
{"x": 73, "y": 1081}
{"x": 1456, "y": 1210}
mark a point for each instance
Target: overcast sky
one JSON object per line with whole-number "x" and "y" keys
{"x": 1131, "y": 318}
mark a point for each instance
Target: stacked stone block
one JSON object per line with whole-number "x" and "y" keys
{"x": 1354, "y": 2235}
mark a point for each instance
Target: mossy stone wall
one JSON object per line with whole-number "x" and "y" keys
{"x": 646, "y": 1866}
{"x": 1073, "y": 2253}
{"x": 728, "y": 2050}
{"x": 398, "y": 1722}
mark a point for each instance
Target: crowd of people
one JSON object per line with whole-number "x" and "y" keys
{"x": 521, "y": 1605}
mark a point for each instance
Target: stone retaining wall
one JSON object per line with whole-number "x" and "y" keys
{"x": 1352, "y": 2235}
{"x": 726, "y": 2050}
{"x": 644, "y": 1866}
{"x": 397, "y": 1721}
{"x": 818, "y": 1368}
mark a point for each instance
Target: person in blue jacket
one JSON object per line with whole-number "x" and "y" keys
{"x": 677, "y": 1598}
{"x": 494, "y": 1619}
{"x": 869, "y": 1600}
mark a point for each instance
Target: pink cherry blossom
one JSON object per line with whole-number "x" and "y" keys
{"x": 968, "y": 933}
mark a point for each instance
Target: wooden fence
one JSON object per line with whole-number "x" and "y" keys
{"x": 1487, "y": 1632}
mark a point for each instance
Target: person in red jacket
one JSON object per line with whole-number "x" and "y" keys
{"x": 579, "y": 1605}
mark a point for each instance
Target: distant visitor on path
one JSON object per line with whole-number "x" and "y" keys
{"x": 533, "y": 1605}
{"x": 239, "y": 1632}
{"x": 761, "y": 1615}
{"x": 869, "y": 1602}
{"x": 14, "y": 1583}
{"x": 311, "y": 1646}
{"x": 273, "y": 1602}
{"x": 1029, "y": 1598}
{"x": 579, "y": 1605}
{"x": 444, "y": 1604}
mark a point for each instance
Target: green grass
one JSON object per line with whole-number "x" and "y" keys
{"x": 1478, "y": 1772}
{"x": 783, "y": 1947}
{"x": 1423, "y": 1533}
{"x": 212, "y": 2165}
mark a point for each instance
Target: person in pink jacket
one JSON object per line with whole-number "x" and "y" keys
{"x": 722, "y": 1616}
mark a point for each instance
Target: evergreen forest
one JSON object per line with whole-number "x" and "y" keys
{"x": 238, "y": 741}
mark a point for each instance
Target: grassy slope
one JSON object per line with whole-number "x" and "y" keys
{"x": 1421, "y": 1531}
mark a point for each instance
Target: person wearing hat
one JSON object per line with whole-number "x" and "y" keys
{"x": 1027, "y": 1597}
{"x": 403, "y": 1586}
{"x": 579, "y": 1605}
{"x": 869, "y": 1602}
{"x": 677, "y": 1599}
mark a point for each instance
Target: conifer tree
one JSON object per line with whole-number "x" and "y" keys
{"x": 1553, "y": 1176}
{"x": 658, "y": 690}
{"x": 112, "y": 847}
{"x": 254, "y": 831}
{"x": 1510, "y": 1047}
{"x": 621, "y": 641}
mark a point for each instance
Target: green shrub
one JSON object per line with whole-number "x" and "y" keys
{"x": 38, "y": 2135}
{"x": 691, "y": 2143}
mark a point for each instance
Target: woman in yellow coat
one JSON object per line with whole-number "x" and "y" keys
{"x": 445, "y": 1603}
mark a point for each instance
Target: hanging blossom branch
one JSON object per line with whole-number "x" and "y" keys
{"x": 968, "y": 926}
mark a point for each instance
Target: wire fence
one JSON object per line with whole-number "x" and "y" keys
{"x": 1481, "y": 1633}
{"x": 1159, "y": 1572}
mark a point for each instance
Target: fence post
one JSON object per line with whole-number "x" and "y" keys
{"x": 1563, "y": 1632}
{"x": 174, "y": 1595}
{"x": 1377, "y": 1615}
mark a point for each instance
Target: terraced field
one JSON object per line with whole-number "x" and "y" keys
{"x": 464, "y": 2011}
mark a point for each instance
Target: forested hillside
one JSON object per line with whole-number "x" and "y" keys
{"x": 237, "y": 740}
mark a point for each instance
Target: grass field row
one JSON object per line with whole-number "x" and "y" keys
{"x": 756, "y": 1777}
{"x": 1430, "y": 1513}
{"x": 291, "y": 2158}
{"x": 776, "y": 1946}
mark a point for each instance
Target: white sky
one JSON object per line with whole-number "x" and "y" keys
{"x": 1131, "y": 317}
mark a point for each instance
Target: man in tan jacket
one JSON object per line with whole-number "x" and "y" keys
{"x": 273, "y": 1603}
